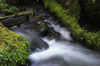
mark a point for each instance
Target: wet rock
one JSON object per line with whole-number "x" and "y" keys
{"x": 35, "y": 19}
{"x": 53, "y": 34}
{"x": 45, "y": 30}
{"x": 28, "y": 31}
{"x": 42, "y": 29}
{"x": 14, "y": 21}
{"x": 37, "y": 43}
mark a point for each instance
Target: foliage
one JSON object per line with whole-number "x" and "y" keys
{"x": 7, "y": 9}
{"x": 92, "y": 7}
{"x": 91, "y": 37}
{"x": 13, "y": 48}
{"x": 71, "y": 5}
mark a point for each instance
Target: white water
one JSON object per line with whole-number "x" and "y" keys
{"x": 72, "y": 53}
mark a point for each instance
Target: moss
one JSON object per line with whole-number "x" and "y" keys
{"x": 42, "y": 29}
{"x": 25, "y": 13}
{"x": 42, "y": 25}
{"x": 13, "y": 48}
{"x": 92, "y": 39}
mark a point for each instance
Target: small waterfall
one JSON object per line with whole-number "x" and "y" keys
{"x": 64, "y": 53}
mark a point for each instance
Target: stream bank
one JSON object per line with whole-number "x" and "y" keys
{"x": 91, "y": 39}
{"x": 13, "y": 48}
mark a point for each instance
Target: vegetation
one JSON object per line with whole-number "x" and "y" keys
{"x": 70, "y": 22}
{"x": 13, "y": 48}
{"x": 72, "y": 6}
{"x": 6, "y": 8}
{"x": 92, "y": 39}
{"x": 92, "y": 8}
{"x": 42, "y": 26}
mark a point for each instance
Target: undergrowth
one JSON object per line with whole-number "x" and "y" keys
{"x": 13, "y": 48}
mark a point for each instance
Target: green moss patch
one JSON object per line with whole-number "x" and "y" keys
{"x": 13, "y": 48}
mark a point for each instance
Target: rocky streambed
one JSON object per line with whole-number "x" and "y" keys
{"x": 52, "y": 45}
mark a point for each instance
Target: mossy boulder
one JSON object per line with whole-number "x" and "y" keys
{"x": 13, "y": 48}
{"x": 42, "y": 28}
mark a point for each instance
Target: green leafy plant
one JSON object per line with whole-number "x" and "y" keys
{"x": 13, "y": 48}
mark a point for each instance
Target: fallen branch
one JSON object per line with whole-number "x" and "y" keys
{"x": 15, "y": 19}
{"x": 16, "y": 14}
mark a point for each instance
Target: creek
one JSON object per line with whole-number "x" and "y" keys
{"x": 62, "y": 50}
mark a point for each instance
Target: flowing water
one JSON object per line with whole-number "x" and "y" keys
{"x": 64, "y": 52}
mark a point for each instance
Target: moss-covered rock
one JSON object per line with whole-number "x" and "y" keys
{"x": 42, "y": 28}
{"x": 13, "y": 48}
